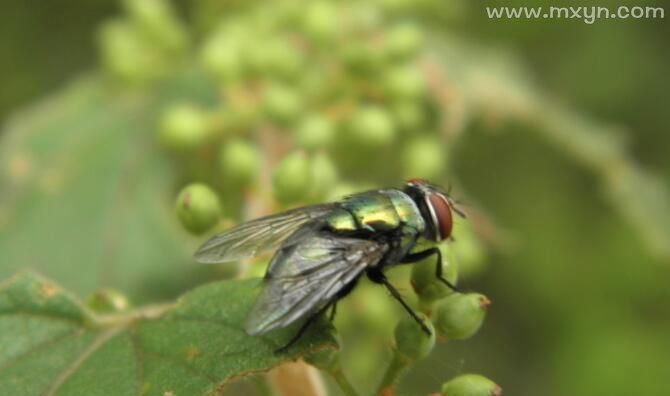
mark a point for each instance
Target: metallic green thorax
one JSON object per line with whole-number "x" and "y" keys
{"x": 377, "y": 211}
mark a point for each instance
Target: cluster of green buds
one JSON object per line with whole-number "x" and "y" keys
{"x": 314, "y": 92}
{"x": 144, "y": 45}
{"x": 307, "y": 99}
{"x": 456, "y": 315}
{"x": 449, "y": 314}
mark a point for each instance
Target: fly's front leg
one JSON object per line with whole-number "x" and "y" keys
{"x": 414, "y": 257}
{"x": 378, "y": 277}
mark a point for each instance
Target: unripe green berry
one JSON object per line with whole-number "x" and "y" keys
{"x": 371, "y": 127}
{"x": 411, "y": 341}
{"x": 471, "y": 385}
{"x": 198, "y": 207}
{"x": 324, "y": 175}
{"x": 410, "y": 115}
{"x": 314, "y": 132}
{"x": 425, "y": 282}
{"x": 125, "y": 54}
{"x": 320, "y": 21}
{"x": 291, "y": 179}
{"x": 404, "y": 83}
{"x": 284, "y": 60}
{"x": 107, "y": 301}
{"x": 423, "y": 156}
{"x": 364, "y": 57}
{"x": 403, "y": 41}
{"x": 158, "y": 21}
{"x": 239, "y": 161}
{"x": 221, "y": 58}
{"x": 364, "y": 17}
{"x": 459, "y": 316}
{"x": 282, "y": 103}
{"x": 257, "y": 56}
{"x": 184, "y": 127}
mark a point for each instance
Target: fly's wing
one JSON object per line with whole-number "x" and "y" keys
{"x": 305, "y": 275}
{"x": 254, "y": 237}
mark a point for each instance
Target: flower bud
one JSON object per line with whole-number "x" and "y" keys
{"x": 314, "y": 132}
{"x": 403, "y": 41}
{"x": 107, "y": 301}
{"x": 404, "y": 83}
{"x": 324, "y": 176}
{"x": 425, "y": 282}
{"x": 459, "y": 316}
{"x": 221, "y": 58}
{"x": 363, "y": 57}
{"x": 198, "y": 207}
{"x": 258, "y": 56}
{"x": 239, "y": 161}
{"x": 184, "y": 127}
{"x": 371, "y": 127}
{"x": 320, "y": 21}
{"x": 158, "y": 21}
{"x": 470, "y": 385}
{"x": 423, "y": 157}
{"x": 410, "y": 115}
{"x": 291, "y": 179}
{"x": 282, "y": 103}
{"x": 410, "y": 339}
{"x": 125, "y": 55}
{"x": 284, "y": 59}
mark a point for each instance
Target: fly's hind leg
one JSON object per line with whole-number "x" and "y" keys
{"x": 310, "y": 320}
{"x": 333, "y": 311}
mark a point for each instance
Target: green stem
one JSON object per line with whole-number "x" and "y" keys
{"x": 392, "y": 375}
{"x": 343, "y": 382}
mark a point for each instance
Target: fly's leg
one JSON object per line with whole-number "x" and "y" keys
{"x": 414, "y": 257}
{"x": 378, "y": 277}
{"x": 303, "y": 328}
{"x": 333, "y": 311}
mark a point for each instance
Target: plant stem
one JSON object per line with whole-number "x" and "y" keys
{"x": 393, "y": 371}
{"x": 343, "y": 383}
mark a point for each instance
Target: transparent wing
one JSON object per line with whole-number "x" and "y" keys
{"x": 254, "y": 237}
{"x": 306, "y": 273}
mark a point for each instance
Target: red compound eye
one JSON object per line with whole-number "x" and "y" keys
{"x": 443, "y": 218}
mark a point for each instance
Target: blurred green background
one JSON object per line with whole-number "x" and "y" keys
{"x": 577, "y": 267}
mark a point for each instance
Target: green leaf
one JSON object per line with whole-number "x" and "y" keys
{"x": 86, "y": 195}
{"x": 50, "y": 344}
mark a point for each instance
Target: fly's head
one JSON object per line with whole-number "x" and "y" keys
{"x": 436, "y": 207}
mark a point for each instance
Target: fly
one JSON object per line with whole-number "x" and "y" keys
{"x": 322, "y": 250}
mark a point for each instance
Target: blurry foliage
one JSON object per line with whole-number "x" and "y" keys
{"x": 570, "y": 230}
